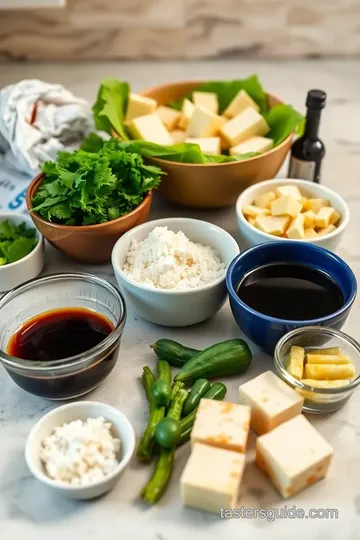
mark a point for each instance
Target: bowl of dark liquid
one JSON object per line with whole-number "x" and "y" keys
{"x": 279, "y": 286}
{"x": 60, "y": 334}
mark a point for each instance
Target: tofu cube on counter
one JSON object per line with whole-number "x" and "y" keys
{"x": 254, "y": 144}
{"x": 221, "y": 424}
{"x": 150, "y": 128}
{"x": 207, "y": 100}
{"x": 241, "y": 101}
{"x": 187, "y": 111}
{"x": 271, "y": 400}
{"x": 211, "y": 478}
{"x": 208, "y": 145}
{"x": 169, "y": 117}
{"x": 249, "y": 123}
{"x": 204, "y": 123}
{"x": 293, "y": 455}
{"x": 139, "y": 106}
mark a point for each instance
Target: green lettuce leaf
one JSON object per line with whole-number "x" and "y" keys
{"x": 110, "y": 106}
{"x": 227, "y": 90}
{"x": 283, "y": 120}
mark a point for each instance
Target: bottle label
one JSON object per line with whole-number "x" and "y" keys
{"x": 303, "y": 170}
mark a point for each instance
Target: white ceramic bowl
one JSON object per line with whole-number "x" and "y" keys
{"x": 252, "y": 236}
{"x": 175, "y": 307}
{"x": 13, "y": 274}
{"x": 81, "y": 410}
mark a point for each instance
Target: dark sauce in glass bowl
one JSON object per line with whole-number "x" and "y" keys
{"x": 56, "y": 335}
{"x": 290, "y": 291}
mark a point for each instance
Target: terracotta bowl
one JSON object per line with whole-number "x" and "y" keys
{"x": 91, "y": 244}
{"x": 212, "y": 185}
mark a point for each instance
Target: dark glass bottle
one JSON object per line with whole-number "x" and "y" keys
{"x": 307, "y": 151}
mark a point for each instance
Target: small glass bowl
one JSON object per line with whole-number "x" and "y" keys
{"x": 318, "y": 400}
{"x": 76, "y": 375}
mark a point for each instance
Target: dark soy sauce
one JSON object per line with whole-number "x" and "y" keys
{"x": 56, "y": 335}
{"x": 290, "y": 291}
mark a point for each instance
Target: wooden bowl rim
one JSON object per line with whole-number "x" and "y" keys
{"x": 159, "y": 160}
{"x": 34, "y": 186}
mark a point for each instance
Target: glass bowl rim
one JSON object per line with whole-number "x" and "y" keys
{"x": 296, "y": 382}
{"x": 13, "y": 362}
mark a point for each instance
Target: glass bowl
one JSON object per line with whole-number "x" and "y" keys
{"x": 318, "y": 400}
{"x": 76, "y": 375}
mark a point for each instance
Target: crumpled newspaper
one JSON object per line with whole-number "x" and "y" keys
{"x": 37, "y": 119}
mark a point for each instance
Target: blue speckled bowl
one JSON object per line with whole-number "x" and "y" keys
{"x": 264, "y": 330}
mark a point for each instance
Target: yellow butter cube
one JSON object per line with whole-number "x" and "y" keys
{"x": 318, "y": 358}
{"x": 296, "y": 228}
{"x": 187, "y": 111}
{"x": 204, "y": 123}
{"x": 329, "y": 371}
{"x": 275, "y": 225}
{"x": 178, "y": 136}
{"x": 296, "y": 362}
{"x": 241, "y": 101}
{"x": 326, "y": 230}
{"x": 265, "y": 200}
{"x": 285, "y": 206}
{"x": 211, "y": 478}
{"x": 150, "y": 128}
{"x": 251, "y": 220}
{"x": 208, "y": 145}
{"x": 254, "y": 211}
{"x": 248, "y": 123}
{"x": 309, "y": 219}
{"x": 310, "y": 233}
{"x": 139, "y": 106}
{"x": 335, "y": 218}
{"x": 323, "y": 216}
{"x": 207, "y": 100}
{"x": 316, "y": 204}
{"x": 291, "y": 191}
{"x": 169, "y": 117}
{"x": 254, "y": 144}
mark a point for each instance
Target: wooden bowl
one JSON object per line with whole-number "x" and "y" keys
{"x": 212, "y": 185}
{"x": 91, "y": 244}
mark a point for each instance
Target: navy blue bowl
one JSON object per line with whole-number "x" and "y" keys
{"x": 266, "y": 331}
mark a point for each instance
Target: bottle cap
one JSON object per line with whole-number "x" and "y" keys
{"x": 316, "y": 99}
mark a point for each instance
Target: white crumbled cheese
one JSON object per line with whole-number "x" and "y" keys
{"x": 169, "y": 260}
{"x": 80, "y": 453}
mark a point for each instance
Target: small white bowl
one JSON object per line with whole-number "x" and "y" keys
{"x": 176, "y": 307}
{"x": 30, "y": 266}
{"x": 80, "y": 410}
{"x": 251, "y": 236}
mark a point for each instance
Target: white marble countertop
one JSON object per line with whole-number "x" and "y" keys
{"x": 29, "y": 510}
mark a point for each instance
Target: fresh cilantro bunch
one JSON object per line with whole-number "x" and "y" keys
{"x": 16, "y": 241}
{"x": 93, "y": 185}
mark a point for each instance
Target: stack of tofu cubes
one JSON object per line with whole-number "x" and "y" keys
{"x": 289, "y": 449}
{"x": 240, "y": 129}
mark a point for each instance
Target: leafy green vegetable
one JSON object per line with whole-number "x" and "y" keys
{"x": 110, "y": 106}
{"x": 16, "y": 241}
{"x": 227, "y": 90}
{"x": 283, "y": 120}
{"x": 90, "y": 187}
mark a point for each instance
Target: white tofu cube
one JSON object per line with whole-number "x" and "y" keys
{"x": 187, "y": 111}
{"x": 208, "y": 145}
{"x": 293, "y": 455}
{"x": 207, "y": 100}
{"x": 241, "y": 101}
{"x": 271, "y": 400}
{"x": 296, "y": 228}
{"x": 248, "y": 123}
{"x": 204, "y": 123}
{"x": 178, "y": 136}
{"x": 221, "y": 424}
{"x": 265, "y": 200}
{"x": 275, "y": 225}
{"x": 211, "y": 478}
{"x": 254, "y": 144}
{"x": 324, "y": 216}
{"x": 139, "y": 106}
{"x": 292, "y": 191}
{"x": 169, "y": 117}
{"x": 285, "y": 206}
{"x": 150, "y": 128}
